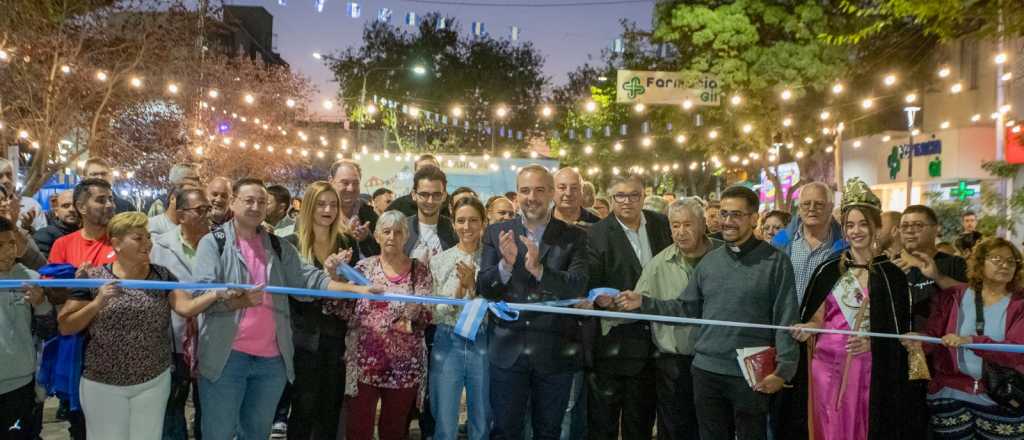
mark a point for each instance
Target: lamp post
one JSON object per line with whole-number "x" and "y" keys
{"x": 418, "y": 70}
{"x": 911, "y": 116}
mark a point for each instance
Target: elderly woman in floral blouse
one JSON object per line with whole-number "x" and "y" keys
{"x": 386, "y": 354}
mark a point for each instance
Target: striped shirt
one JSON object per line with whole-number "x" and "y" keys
{"x": 805, "y": 259}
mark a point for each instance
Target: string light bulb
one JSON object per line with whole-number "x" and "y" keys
{"x": 867, "y": 103}
{"x": 788, "y": 121}
{"x": 944, "y": 72}
{"x": 956, "y": 88}
{"x": 172, "y": 88}
{"x": 1007, "y": 76}
{"x": 617, "y": 146}
{"x": 639, "y": 107}
{"x": 501, "y": 112}
{"x": 747, "y": 128}
{"x": 590, "y": 106}
{"x": 910, "y": 98}
{"x": 371, "y": 109}
{"x": 290, "y": 103}
{"x": 889, "y": 80}
{"x": 680, "y": 139}
{"x": 857, "y": 144}
{"x": 546, "y": 111}
{"x": 101, "y": 75}
{"x": 213, "y": 93}
{"x": 976, "y": 117}
{"x": 457, "y": 111}
{"x": 249, "y": 99}
{"x": 687, "y": 104}
{"x": 1001, "y": 58}
{"x": 736, "y": 100}
{"x": 588, "y": 150}
{"x": 944, "y": 125}
{"x": 786, "y": 95}
{"x": 713, "y": 134}
{"x": 136, "y": 82}
{"x": 4, "y": 56}
{"x": 646, "y": 141}
{"x": 837, "y": 88}
{"x": 65, "y": 69}
{"x": 824, "y": 115}
{"x": 328, "y": 104}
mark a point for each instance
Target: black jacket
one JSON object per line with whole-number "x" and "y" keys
{"x": 368, "y": 247}
{"x": 613, "y": 263}
{"x": 889, "y": 308}
{"x": 445, "y": 232}
{"x": 309, "y": 322}
{"x": 45, "y": 237}
{"x": 406, "y": 205}
{"x": 552, "y": 341}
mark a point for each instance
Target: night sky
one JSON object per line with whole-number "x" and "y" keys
{"x": 567, "y": 36}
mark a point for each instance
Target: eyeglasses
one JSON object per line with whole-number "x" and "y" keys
{"x": 913, "y": 227}
{"x": 431, "y": 196}
{"x": 627, "y": 197}
{"x": 1000, "y": 261}
{"x": 200, "y": 210}
{"x": 726, "y": 215}
{"x": 813, "y": 205}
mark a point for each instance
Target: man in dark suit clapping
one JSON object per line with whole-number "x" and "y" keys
{"x": 533, "y": 258}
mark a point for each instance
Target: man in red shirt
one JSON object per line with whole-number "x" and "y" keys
{"x": 90, "y": 245}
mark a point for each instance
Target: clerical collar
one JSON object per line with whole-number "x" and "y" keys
{"x": 741, "y": 250}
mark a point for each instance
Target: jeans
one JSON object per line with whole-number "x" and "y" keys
{"x": 729, "y": 409}
{"x": 175, "y": 425}
{"x": 244, "y": 397}
{"x": 547, "y": 394}
{"x": 318, "y": 391}
{"x": 456, "y": 364}
{"x": 133, "y": 412}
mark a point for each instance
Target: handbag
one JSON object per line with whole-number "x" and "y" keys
{"x": 1004, "y": 385}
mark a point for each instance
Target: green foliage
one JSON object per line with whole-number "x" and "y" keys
{"x": 948, "y": 212}
{"x": 1001, "y": 168}
{"x": 944, "y": 19}
{"x": 474, "y": 73}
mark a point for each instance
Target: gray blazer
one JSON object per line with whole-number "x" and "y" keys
{"x": 219, "y": 324}
{"x": 167, "y": 252}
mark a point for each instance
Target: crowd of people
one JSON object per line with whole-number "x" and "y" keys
{"x": 257, "y": 365}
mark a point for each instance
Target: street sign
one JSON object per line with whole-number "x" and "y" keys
{"x": 666, "y": 88}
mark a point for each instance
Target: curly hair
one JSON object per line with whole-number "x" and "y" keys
{"x": 976, "y": 263}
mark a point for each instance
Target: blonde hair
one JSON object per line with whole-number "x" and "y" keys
{"x": 307, "y": 215}
{"x": 124, "y": 222}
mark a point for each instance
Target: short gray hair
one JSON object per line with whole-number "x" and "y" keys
{"x": 178, "y": 172}
{"x": 819, "y": 185}
{"x": 692, "y": 204}
{"x": 393, "y": 219}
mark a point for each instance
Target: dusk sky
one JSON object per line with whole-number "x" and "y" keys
{"x": 567, "y": 36}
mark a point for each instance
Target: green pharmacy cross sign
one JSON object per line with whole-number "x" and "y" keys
{"x": 633, "y": 88}
{"x": 962, "y": 192}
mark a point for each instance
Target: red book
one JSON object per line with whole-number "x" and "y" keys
{"x": 756, "y": 363}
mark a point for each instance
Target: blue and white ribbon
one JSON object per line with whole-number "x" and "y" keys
{"x": 502, "y": 310}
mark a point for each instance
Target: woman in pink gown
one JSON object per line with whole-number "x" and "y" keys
{"x": 856, "y": 383}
